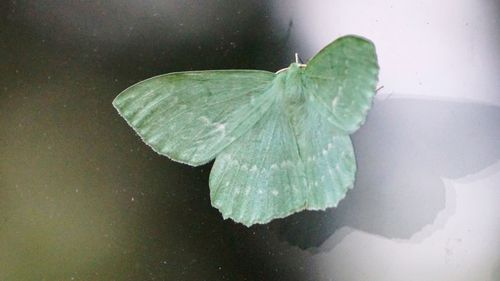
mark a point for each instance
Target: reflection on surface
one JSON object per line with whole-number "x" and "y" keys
{"x": 403, "y": 151}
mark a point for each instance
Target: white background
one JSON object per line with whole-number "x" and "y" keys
{"x": 431, "y": 53}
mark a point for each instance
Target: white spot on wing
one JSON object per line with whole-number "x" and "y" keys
{"x": 204, "y": 119}
{"x": 221, "y": 127}
{"x": 335, "y": 101}
{"x": 275, "y": 192}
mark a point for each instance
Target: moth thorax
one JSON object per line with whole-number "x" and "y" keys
{"x": 293, "y": 91}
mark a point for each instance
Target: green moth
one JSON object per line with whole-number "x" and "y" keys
{"x": 280, "y": 140}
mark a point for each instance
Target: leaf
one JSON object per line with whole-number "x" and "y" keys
{"x": 281, "y": 141}
{"x": 191, "y": 116}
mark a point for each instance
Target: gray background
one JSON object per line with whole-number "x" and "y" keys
{"x": 82, "y": 198}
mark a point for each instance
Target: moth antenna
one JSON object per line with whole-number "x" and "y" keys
{"x": 379, "y": 88}
{"x": 298, "y": 59}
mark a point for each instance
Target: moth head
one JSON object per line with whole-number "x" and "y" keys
{"x": 293, "y": 66}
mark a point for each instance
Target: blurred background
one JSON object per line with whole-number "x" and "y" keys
{"x": 82, "y": 198}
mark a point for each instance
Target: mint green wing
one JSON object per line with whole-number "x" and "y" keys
{"x": 328, "y": 157}
{"x": 342, "y": 78}
{"x": 284, "y": 164}
{"x": 260, "y": 176}
{"x": 191, "y": 116}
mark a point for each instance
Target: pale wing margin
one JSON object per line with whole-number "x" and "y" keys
{"x": 342, "y": 78}
{"x": 191, "y": 116}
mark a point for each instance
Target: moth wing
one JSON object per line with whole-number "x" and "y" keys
{"x": 259, "y": 177}
{"x": 328, "y": 157}
{"x": 281, "y": 166}
{"x": 342, "y": 78}
{"x": 191, "y": 116}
